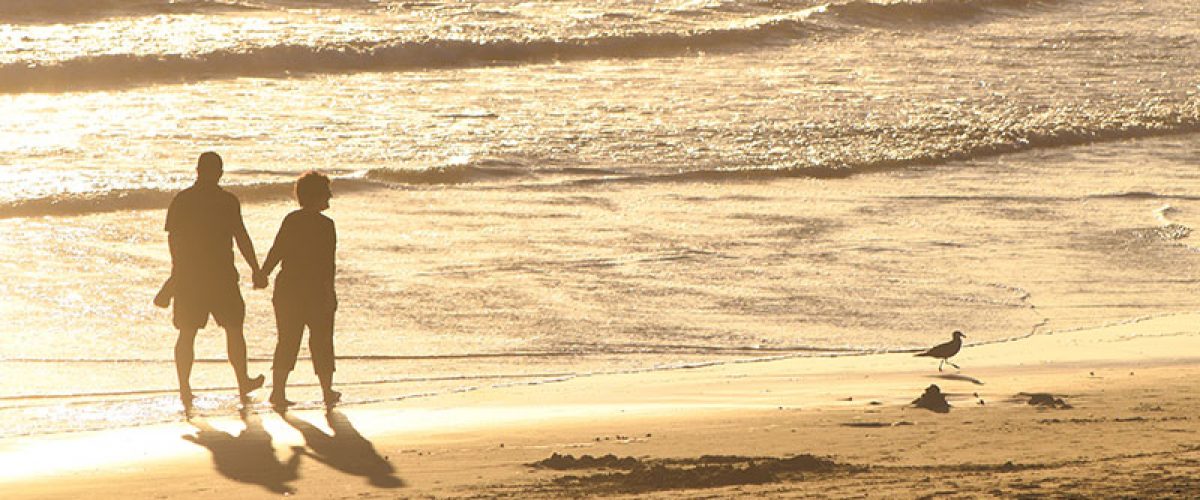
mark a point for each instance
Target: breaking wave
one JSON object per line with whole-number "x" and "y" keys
{"x": 987, "y": 142}
{"x": 67, "y": 204}
{"x": 984, "y": 142}
{"x": 866, "y": 12}
{"x": 63, "y": 11}
{"x": 111, "y": 71}
{"x": 124, "y": 70}
{"x": 481, "y": 171}
{"x": 75, "y": 11}
{"x": 81, "y": 203}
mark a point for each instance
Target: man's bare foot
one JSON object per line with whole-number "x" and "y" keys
{"x": 186, "y": 398}
{"x": 252, "y": 384}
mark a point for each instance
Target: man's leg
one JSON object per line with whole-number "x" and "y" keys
{"x": 184, "y": 357}
{"x": 235, "y": 344}
{"x": 231, "y": 315}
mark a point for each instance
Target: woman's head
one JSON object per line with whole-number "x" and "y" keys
{"x": 312, "y": 190}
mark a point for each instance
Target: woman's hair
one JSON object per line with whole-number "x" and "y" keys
{"x": 311, "y": 188}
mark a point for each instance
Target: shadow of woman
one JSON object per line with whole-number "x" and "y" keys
{"x": 249, "y": 456}
{"x": 346, "y": 450}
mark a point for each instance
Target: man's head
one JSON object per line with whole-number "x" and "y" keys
{"x": 209, "y": 168}
{"x": 312, "y": 190}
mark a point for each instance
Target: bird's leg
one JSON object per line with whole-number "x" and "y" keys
{"x": 940, "y": 365}
{"x": 952, "y": 364}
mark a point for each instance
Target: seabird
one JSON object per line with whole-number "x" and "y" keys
{"x": 946, "y": 351}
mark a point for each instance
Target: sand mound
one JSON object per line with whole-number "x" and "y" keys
{"x": 569, "y": 462}
{"x": 933, "y": 400}
{"x": 1046, "y": 400}
{"x": 709, "y": 471}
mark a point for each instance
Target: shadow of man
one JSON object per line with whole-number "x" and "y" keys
{"x": 249, "y": 456}
{"x": 346, "y": 450}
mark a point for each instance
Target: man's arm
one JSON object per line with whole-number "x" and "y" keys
{"x": 167, "y": 291}
{"x": 169, "y": 226}
{"x": 173, "y": 245}
{"x": 245, "y": 245}
{"x": 247, "y": 248}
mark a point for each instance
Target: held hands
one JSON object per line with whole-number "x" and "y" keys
{"x": 260, "y": 280}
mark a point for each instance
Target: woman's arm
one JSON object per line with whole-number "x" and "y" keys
{"x": 274, "y": 255}
{"x": 332, "y": 262}
{"x": 330, "y": 246}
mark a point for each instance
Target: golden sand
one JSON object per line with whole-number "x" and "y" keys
{"x": 1130, "y": 431}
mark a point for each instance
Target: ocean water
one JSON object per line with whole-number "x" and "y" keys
{"x": 532, "y": 191}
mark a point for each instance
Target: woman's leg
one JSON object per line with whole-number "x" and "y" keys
{"x": 320, "y": 344}
{"x": 290, "y": 328}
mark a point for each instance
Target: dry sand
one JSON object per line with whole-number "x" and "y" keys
{"x": 803, "y": 427}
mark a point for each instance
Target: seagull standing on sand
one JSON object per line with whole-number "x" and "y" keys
{"x": 946, "y": 351}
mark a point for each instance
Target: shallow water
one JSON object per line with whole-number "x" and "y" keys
{"x": 531, "y": 191}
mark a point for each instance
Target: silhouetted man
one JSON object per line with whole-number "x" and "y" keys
{"x": 202, "y": 222}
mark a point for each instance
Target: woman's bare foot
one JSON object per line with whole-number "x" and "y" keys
{"x": 332, "y": 397}
{"x": 279, "y": 402}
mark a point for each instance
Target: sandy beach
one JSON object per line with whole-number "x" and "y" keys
{"x": 813, "y": 427}
{"x": 618, "y": 248}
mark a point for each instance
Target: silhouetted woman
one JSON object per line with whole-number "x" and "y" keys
{"x": 304, "y": 294}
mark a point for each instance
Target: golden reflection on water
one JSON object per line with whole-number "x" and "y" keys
{"x": 521, "y": 214}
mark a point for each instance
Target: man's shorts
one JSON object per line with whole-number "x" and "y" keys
{"x": 194, "y": 302}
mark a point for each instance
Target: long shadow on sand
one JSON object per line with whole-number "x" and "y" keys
{"x": 249, "y": 456}
{"x": 959, "y": 377}
{"x": 346, "y": 450}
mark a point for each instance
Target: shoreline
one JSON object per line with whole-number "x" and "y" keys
{"x": 829, "y": 403}
{"x": 532, "y": 379}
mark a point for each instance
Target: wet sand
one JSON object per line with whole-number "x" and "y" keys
{"x": 721, "y": 430}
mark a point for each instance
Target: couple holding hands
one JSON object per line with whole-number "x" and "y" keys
{"x": 203, "y": 222}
